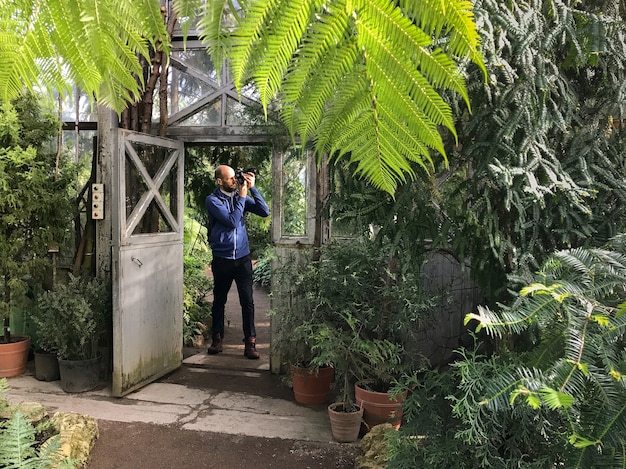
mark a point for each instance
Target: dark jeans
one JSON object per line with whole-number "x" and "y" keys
{"x": 224, "y": 272}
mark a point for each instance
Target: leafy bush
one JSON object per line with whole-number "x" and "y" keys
{"x": 262, "y": 274}
{"x": 196, "y": 286}
{"x": 552, "y": 396}
{"x": 355, "y": 308}
{"x": 72, "y": 318}
{"x": 36, "y": 193}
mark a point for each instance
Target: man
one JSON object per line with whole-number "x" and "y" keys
{"x": 231, "y": 253}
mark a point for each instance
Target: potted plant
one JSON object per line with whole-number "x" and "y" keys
{"x": 71, "y": 319}
{"x": 353, "y": 354}
{"x": 385, "y": 297}
{"x": 357, "y": 307}
{"x": 35, "y": 212}
{"x": 321, "y": 323}
{"x": 403, "y": 311}
{"x": 297, "y": 317}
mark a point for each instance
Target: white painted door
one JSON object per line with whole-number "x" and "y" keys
{"x": 147, "y": 259}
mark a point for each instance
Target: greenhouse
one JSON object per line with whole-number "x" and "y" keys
{"x": 446, "y": 199}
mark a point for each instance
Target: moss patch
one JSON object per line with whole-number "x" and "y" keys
{"x": 374, "y": 448}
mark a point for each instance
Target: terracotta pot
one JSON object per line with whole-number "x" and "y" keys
{"x": 311, "y": 387}
{"x": 14, "y": 356}
{"x": 345, "y": 426}
{"x": 378, "y": 407}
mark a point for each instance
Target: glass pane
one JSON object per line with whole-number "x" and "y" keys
{"x": 344, "y": 223}
{"x": 294, "y": 192}
{"x": 185, "y": 87}
{"x": 169, "y": 192}
{"x": 68, "y": 107}
{"x": 239, "y": 114}
{"x": 210, "y": 115}
{"x": 153, "y": 220}
{"x": 199, "y": 60}
{"x": 250, "y": 91}
{"x": 86, "y": 146}
{"x": 85, "y": 109}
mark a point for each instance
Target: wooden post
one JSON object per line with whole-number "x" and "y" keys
{"x": 107, "y": 152}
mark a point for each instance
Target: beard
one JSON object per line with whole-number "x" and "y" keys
{"x": 227, "y": 188}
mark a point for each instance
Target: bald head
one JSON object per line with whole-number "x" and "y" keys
{"x": 223, "y": 171}
{"x": 225, "y": 178}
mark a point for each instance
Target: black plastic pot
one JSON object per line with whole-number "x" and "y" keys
{"x": 46, "y": 366}
{"x": 79, "y": 375}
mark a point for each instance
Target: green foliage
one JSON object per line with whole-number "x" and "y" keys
{"x": 540, "y": 165}
{"x": 72, "y": 318}
{"x": 262, "y": 273}
{"x": 196, "y": 286}
{"x": 17, "y": 440}
{"x": 571, "y": 375}
{"x": 359, "y": 79}
{"x": 350, "y": 308}
{"x": 48, "y": 44}
{"x": 21, "y": 442}
{"x": 35, "y": 197}
{"x": 553, "y": 395}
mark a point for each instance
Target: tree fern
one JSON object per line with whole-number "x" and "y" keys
{"x": 93, "y": 44}
{"x": 402, "y": 54}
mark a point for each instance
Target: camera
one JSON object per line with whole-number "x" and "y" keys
{"x": 240, "y": 172}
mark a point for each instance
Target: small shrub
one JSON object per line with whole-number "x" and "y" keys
{"x": 72, "y": 318}
{"x": 196, "y": 287}
{"x": 262, "y": 274}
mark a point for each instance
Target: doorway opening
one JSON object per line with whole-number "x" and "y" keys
{"x": 200, "y": 164}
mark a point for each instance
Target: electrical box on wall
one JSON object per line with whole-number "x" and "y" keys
{"x": 97, "y": 201}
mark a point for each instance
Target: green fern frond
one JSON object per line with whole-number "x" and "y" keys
{"x": 188, "y": 11}
{"x": 215, "y": 19}
{"x": 316, "y": 81}
{"x": 438, "y": 17}
{"x": 281, "y": 41}
{"x": 305, "y": 51}
{"x": 17, "y": 439}
{"x": 246, "y": 40}
{"x": 580, "y": 349}
{"x": 93, "y": 44}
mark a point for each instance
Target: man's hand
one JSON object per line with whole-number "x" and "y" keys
{"x": 249, "y": 178}
{"x": 243, "y": 189}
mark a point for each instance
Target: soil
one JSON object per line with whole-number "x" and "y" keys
{"x": 139, "y": 445}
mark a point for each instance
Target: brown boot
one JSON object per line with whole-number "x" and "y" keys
{"x": 250, "y": 350}
{"x": 216, "y": 346}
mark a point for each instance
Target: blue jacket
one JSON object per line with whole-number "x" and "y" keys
{"x": 229, "y": 238}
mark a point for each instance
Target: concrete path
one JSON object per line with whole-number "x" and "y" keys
{"x": 202, "y": 403}
{"x": 188, "y": 408}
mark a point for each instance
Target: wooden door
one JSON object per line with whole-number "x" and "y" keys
{"x": 147, "y": 259}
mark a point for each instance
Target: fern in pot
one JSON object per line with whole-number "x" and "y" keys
{"x": 72, "y": 319}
